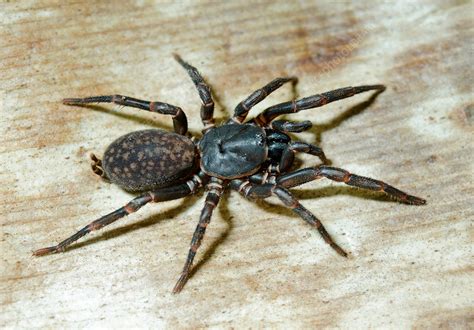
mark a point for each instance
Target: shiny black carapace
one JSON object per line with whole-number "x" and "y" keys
{"x": 252, "y": 157}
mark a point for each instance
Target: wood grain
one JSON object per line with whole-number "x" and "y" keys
{"x": 259, "y": 266}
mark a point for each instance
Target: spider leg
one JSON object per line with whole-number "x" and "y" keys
{"x": 180, "y": 122}
{"x": 243, "y": 108}
{"x": 291, "y": 126}
{"x": 313, "y": 101}
{"x": 212, "y": 199}
{"x": 262, "y": 191}
{"x": 291, "y": 149}
{"x": 299, "y": 177}
{"x": 131, "y": 207}
{"x": 159, "y": 195}
{"x": 207, "y": 108}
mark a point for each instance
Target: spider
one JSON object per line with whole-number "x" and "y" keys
{"x": 252, "y": 157}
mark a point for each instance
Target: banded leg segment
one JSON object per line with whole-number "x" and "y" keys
{"x": 242, "y": 109}
{"x": 338, "y": 174}
{"x": 159, "y": 195}
{"x": 288, "y": 155}
{"x": 207, "y": 108}
{"x": 313, "y": 101}
{"x": 131, "y": 207}
{"x": 212, "y": 199}
{"x": 291, "y": 126}
{"x": 180, "y": 122}
{"x": 261, "y": 191}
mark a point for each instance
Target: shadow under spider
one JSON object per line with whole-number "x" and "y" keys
{"x": 303, "y": 194}
{"x": 134, "y": 118}
{"x": 317, "y": 130}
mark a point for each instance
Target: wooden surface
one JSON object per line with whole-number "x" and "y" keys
{"x": 259, "y": 266}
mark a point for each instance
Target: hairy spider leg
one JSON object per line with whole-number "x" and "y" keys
{"x": 180, "y": 122}
{"x": 262, "y": 191}
{"x": 159, "y": 195}
{"x": 212, "y": 199}
{"x": 242, "y": 109}
{"x": 207, "y": 108}
{"x": 313, "y": 101}
{"x": 304, "y": 175}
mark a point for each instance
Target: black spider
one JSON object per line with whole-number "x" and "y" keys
{"x": 252, "y": 157}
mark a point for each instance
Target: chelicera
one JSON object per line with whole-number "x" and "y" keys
{"x": 252, "y": 157}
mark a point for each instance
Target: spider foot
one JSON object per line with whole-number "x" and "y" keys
{"x": 48, "y": 250}
{"x": 73, "y": 101}
{"x": 339, "y": 250}
{"x": 181, "y": 282}
{"x": 413, "y": 200}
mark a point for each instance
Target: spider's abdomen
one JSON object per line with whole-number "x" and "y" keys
{"x": 233, "y": 151}
{"x": 149, "y": 159}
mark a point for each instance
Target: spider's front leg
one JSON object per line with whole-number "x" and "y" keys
{"x": 299, "y": 177}
{"x": 313, "y": 101}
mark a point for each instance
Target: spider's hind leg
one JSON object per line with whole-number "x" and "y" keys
{"x": 158, "y": 195}
{"x": 130, "y": 207}
{"x": 180, "y": 122}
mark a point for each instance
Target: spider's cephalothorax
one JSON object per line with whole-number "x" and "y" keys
{"x": 233, "y": 151}
{"x": 253, "y": 158}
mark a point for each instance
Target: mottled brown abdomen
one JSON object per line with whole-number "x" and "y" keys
{"x": 149, "y": 159}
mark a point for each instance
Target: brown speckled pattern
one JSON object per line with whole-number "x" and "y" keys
{"x": 149, "y": 159}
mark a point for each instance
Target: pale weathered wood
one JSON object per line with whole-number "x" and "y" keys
{"x": 259, "y": 264}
